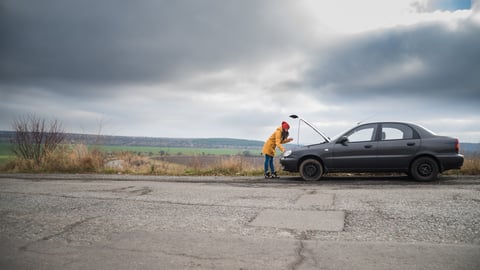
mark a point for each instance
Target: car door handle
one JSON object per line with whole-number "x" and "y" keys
{"x": 411, "y": 144}
{"x": 368, "y": 146}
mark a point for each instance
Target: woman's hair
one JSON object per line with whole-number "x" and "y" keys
{"x": 284, "y": 134}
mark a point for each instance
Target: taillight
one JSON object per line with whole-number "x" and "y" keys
{"x": 457, "y": 146}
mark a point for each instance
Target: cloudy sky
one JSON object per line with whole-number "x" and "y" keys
{"x": 231, "y": 68}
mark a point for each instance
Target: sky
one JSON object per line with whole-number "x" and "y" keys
{"x": 237, "y": 69}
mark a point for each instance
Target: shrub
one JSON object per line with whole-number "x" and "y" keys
{"x": 65, "y": 158}
{"x": 34, "y": 139}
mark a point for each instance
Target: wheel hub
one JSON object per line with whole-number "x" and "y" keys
{"x": 311, "y": 170}
{"x": 425, "y": 169}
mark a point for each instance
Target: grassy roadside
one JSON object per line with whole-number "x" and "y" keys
{"x": 471, "y": 166}
{"x": 80, "y": 158}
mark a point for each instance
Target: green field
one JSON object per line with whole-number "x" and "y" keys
{"x": 6, "y": 153}
{"x": 177, "y": 150}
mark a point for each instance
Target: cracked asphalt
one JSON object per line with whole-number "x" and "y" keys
{"x": 160, "y": 222}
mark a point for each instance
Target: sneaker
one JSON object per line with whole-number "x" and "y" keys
{"x": 268, "y": 175}
{"x": 274, "y": 175}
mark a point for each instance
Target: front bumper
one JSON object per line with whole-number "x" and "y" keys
{"x": 289, "y": 164}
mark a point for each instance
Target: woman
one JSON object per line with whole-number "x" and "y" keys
{"x": 279, "y": 137}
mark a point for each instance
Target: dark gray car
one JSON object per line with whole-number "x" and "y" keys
{"x": 377, "y": 147}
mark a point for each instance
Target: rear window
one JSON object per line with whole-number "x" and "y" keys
{"x": 395, "y": 131}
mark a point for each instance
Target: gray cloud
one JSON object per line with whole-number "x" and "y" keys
{"x": 124, "y": 41}
{"x": 430, "y": 61}
{"x": 227, "y": 68}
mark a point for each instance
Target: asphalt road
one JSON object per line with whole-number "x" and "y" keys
{"x": 157, "y": 222}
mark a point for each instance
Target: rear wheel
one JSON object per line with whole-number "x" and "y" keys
{"x": 311, "y": 170}
{"x": 424, "y": 169}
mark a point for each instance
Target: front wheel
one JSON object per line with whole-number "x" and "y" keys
{"x": 311, "y": 170}
{"x": 424, "y": 169}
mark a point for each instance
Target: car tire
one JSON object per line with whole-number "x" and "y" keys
{"x": 424, "y": 169}
{"x": 311, "y": 170}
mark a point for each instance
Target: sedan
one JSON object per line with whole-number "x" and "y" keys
{"x": 377, "y": 147}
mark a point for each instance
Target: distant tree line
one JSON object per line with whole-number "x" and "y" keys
{"x": 89, "y": 139}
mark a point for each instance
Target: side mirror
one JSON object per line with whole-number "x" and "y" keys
{"x": 343, "y": 140}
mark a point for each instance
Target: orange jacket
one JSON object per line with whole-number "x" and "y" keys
{"x": 273, "y": 142}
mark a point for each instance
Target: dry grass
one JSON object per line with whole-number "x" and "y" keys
{"x": 79, "y": 158}
{"x": 228, "y": 165}
{"x": 471, "y": 166}
{"x": 131, "y": 163}
{"x": 68, "y": 158}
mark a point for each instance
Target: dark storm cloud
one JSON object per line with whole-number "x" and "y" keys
{"x": 428, "y": 61}
{"x": 114, "y": 41}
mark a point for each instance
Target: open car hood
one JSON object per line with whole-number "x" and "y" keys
{"x": 325, "y": 137}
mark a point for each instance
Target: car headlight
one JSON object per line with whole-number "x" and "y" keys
{"x": 287, "y": 153}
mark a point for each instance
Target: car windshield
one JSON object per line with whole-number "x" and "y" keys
{"x": 334, "y": 138}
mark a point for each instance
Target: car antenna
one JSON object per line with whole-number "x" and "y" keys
{"x": 365, "y": 119}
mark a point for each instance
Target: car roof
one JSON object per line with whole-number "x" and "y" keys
{"x": 424, "y": 132}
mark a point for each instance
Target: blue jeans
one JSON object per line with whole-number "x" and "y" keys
{"x": 269, "y": 163}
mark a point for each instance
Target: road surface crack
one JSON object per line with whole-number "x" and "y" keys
{"x": 299, "y": 257}
{"x": 66, "y": 229}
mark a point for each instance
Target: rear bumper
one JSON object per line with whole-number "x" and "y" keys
{"x": 451, "y": 162}
{"x": 288, "y": 164}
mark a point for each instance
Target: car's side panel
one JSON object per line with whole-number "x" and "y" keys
{"x": 354, "y": 156}
{"x": 358, "y": 152}
{"x": 396, "y": 154}
{"x": 397, "y": 146}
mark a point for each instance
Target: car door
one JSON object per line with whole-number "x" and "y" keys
{"x": 356, "y": 150}
{"x": 397, "y": 146}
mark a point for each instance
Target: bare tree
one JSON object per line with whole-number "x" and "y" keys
{"x": 34, "y": 138}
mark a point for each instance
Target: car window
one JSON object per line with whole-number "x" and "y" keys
{"x": 362, "y": 134}
{"x": 396, "y": 132}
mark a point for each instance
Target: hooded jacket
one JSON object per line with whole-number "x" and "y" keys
{"x": 273, "y": 142}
